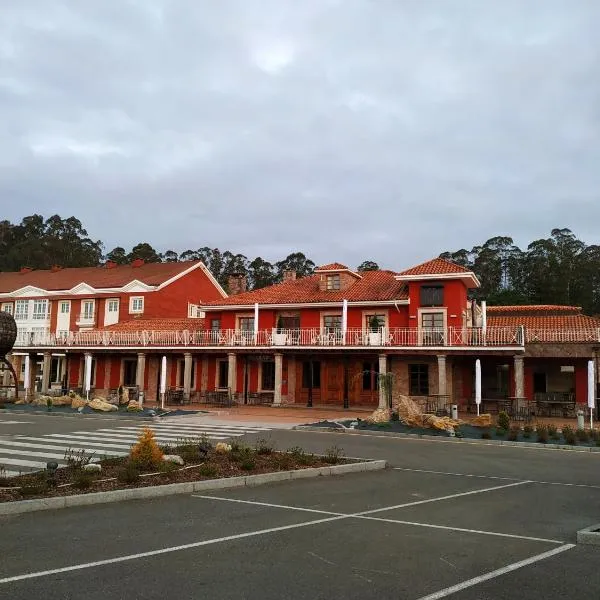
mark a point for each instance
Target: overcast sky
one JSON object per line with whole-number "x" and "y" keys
{"x": 389, "y": 130}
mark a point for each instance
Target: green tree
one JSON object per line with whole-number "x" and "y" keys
{"x": 294, "y": 262}
{"x": 261, "y": 273}
{"x": 117, "y": 255}
{"x": 367, "y": 265}
{"x": 144, "y": 251}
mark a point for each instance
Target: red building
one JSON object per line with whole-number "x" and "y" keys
{"x": 330, "y": 337}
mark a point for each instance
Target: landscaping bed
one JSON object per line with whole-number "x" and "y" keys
{"x": 146, "y": 466}
{"x": 86, "y": 410}
{"x": 504, "y": 430}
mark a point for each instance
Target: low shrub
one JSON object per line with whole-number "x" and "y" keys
{"x": 500, "y": 432}
{"x": 247, "y": 465}
{"x": 111, "y": 461}
{"x": 542, "y": 434}
{"x": 595, "y": 435}
{"x": 582, "y": 435}
{"x": 486, "y": 435}
{"x": 553, "y": 432}
{"x": 264, "y": 447}
{"x": 527, "y": 431}
{"x": 242, "y": 453}
{"x": 77, "y": 458}
{"x": 168, "y": 469}
{"x": 513, "y": 434}
{"x": 503, "y": 420}
{"x": 145, "y": 453}
{"x": 300, "y": 456}
{"x": 37, "y": 488}
{"x": 83, "y": 480}
{"x": 208, "y": 470}
{"x": 383, "y": 425}
{"x": 333, "y": 455}
{"x": 167, "y": 448}
{"x": 128, "y": 473}
{"x": 569, "y": 435}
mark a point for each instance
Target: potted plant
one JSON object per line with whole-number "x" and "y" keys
{"x": 280, "y": 338}
{"x": 374, "y": 331}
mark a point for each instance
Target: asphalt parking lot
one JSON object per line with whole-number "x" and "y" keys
{"x": 489, "y": 523}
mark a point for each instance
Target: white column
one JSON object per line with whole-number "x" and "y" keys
{"x": 442, "y": 375}
{"x": 163, "y": 380}
{"x": 27, "y": 376}
{"x": 232, "y": 373}
{"x": 255, "y": 322}
{"x": 187, "y": 374}
{"x": 382, "y": 385}
{"x": 519, "y": 377}
{"x": 87, "y": 381}
{"x": 46, "y": 367}
{"x": 344, "y": 320}
{"x": 478, "y": 384}
{"x": 278, "y": 378}
{"x": 140, "y": 371}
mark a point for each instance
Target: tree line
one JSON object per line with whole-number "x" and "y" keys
{"x": 40, "y": 244}
{"x": 558, "y": 270}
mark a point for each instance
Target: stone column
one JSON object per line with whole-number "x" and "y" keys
{"x": 382, "y": 387}
{"x": 232, "y": 373}
{"x": 187, "y": 374}
{"x": 140, "y": 371}
{"x": 442, "y": 376}
{"x": 519, "y": 376}
{"x": 204, "y": 380}
{"x": 278, "y": 378}
{"x": 32, "y": 374}
{"x": 47, "y": 366}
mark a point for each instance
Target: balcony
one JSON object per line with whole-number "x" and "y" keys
{"x": 84, "y": 320}
{"x": 501, "y": 337}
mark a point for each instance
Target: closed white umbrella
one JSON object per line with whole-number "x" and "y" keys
{"x": 344, "y": 320}
{"x": 477, "y": 384}
{"x": 591, "y": 391}
{"x": 255, "y": 322}
{"x": 27, "y": 375}
{"x": 88, "y": 375}
{"x": 163, "y": 381}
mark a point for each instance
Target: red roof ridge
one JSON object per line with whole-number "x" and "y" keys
{"x": 335, "y": 266}
{"x": 435, "y": 266}
{"x": 516, "y": 308}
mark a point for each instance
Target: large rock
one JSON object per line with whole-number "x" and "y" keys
{"x": 381, "y": 415}
{"x": 173, "y": 458}
{"x": 61, "y": 401}
{"x": 134, "y": 406}
{"x": 92, "y": 468}
{"x": 78, "y": 402}
{"x": 102, "y": 405}
{"x": 124, "y": 397}
{"x": 223, "y": 448}
{"x": 484, "y": 420}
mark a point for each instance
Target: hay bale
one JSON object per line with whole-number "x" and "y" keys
{"x": 101, "y": 405}
{"x": 381, "y": 415}
{"x": 484, "y": 420}
{"x": 77, "y": 401}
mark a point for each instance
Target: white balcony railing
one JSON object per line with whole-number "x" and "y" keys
{"x": 311, "y": 337}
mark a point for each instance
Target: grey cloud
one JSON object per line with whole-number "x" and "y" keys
{"x": 348, "y": 129}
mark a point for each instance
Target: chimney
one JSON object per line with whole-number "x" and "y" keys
{"x": 138, "y": 262}
{"x": 237, "y": 284}
{"x": 25, "y": 270}
{"x": 289, "y": 276}
{"x": 110, "y": 264}
{"x": 55, "y": 268}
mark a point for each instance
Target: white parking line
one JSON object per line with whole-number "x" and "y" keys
{"x": 579, "y": 485}
{"x": 128, "y": 557}
{"x": 497, "y": 573}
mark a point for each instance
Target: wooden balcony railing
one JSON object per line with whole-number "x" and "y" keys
{"x": 311, "y": 337}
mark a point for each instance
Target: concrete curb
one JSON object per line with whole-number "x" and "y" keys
{"x": 590, "y": 536}
{"x": 189, "y": 487}
{"x": 440, "y": 438}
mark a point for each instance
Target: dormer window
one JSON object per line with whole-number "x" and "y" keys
{"x": 333, "y": 281}
{"x": 432, "y": 295}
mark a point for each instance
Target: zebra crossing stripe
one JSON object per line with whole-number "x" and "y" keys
{"x": 58, "y": 446}
{"x": 61, "y": 442}
{"x": 174, "y": 431}
{"x": 59, "y": 457}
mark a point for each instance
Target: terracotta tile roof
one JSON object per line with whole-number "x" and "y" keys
{"x": 157, "y": 325}
{"x": 549, "y": 321}
{"x": 534, "y": 309}
{"x": 96, "y": 277}
{"x": 373, "y": 286}
{"x": 436, "y": 266}
{"x": 332, "y": 267}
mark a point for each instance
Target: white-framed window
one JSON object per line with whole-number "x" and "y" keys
{"x": 333, "y": 282}
{"x": 7, "y": 307}
{"x": 112, "y": 305}
{"x": 136, "y": 304}
{"x": 87, "y": 309}
{"x": 65, "y": 307}
{"x": 40, "y": 309}
{"x": 195, "y": 312}
{"x": 21, "y": 310}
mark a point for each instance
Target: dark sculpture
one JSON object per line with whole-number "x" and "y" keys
{"x": 8, "y": 337}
